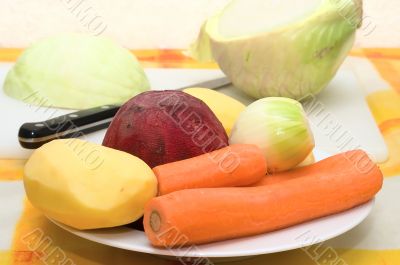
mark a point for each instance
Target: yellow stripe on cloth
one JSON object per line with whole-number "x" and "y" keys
{"x": 391, "y": 133}
{"x": 385, "y": 104}
{"x": 11, "y": 170}
{"x": 386, "y": 61}
{"x": 34, "y": 231}
{"x": 326, "y": 255}
{"x": 148, "y": 58}
{"x": 39, "y": 241}
{"x": 9, "y": 54}
{"x": 5, "y": 257}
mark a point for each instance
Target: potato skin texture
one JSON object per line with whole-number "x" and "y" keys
{"x": 162, "y": 127}
{"x": 63, "y": 182}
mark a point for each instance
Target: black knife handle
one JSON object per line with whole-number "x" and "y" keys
{"x": 75, "y": 124}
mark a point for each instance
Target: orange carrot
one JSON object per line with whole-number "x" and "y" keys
{"x": 207, "y": 215}
{"x": 341, "y": 161}
{"x": 232, "y": 166}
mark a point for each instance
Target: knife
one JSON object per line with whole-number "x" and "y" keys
{"x": 32, "y": 135}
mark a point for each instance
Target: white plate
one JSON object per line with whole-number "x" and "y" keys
{"x": 298, "y": 236}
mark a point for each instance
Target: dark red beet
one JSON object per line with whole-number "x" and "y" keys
{"x": 165, "y": 126}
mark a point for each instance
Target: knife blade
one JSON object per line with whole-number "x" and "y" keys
{"x": 32, "y": 135}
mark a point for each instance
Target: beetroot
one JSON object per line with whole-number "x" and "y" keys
{"x": 165, "y": 126}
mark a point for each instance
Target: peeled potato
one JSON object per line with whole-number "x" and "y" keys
{"x": 88, "y": 186}
{"x": 226, "y": 109}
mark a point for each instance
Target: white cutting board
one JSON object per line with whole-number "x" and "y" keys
{"x": 343, "y": 102}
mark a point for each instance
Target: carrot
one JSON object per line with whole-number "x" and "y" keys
{"x": 235, "y": 165}
{"x": 337, "y": 162}
{"x": 207, "y": 215}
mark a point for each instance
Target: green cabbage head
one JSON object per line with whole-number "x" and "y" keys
{"x": 75, "y": 71}
{"x": 290, "y": 48}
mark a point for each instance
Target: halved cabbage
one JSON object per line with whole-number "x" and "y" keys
{"x": 75, "y": 71}
{"x": 289, "y": 48}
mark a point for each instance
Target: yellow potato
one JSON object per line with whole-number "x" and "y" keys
{"x": 224, "y": 107}
{"x": 87, "y": 186}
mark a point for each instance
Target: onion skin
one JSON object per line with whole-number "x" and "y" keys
{"x": 278, "y": 126}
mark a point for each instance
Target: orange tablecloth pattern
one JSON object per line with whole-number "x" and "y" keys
{"x": 36, "y": 241}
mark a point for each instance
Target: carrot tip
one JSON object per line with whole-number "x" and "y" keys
{"x": 155, "y": 221}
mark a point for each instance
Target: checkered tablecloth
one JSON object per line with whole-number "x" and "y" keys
{"x": 28, "y": 238}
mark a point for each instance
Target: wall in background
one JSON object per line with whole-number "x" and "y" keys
{"x": 140, "y": 24}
